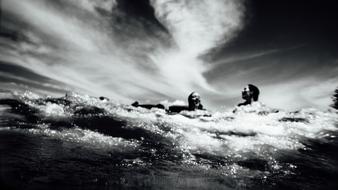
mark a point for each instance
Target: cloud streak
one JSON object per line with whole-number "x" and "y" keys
{"x": 97, "y": 47}
{"x": 86, "y": 49}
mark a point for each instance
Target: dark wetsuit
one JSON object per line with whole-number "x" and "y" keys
{"x": 177, "y": 109}
{"x": 148, "y": 106}
{"x": 244, "y": 103}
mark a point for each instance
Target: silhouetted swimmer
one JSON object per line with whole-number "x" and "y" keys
{"x": 148, "y": 106}
{"x": 194, "y": 103}
{"x": 103, "y": 98}
{"x": 249, "y": 94}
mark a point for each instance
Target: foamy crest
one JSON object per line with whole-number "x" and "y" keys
{"x": 247, "y": 129}
{"x": 253, "y": 130}
{"x": 87, "y": 138}
{"x": 202, "y": 138}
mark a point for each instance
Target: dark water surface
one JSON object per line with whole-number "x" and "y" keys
{"x": 67, "y": 144}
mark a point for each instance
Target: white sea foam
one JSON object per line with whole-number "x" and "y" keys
{"x": 254, "y": 131}
{"x": 87, "y": 138}
{"x": 250, "y": 129}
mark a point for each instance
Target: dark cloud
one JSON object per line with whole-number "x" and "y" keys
{"x": 21, "y": 77}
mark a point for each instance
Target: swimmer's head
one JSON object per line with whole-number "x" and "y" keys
{"x": 250, "y": 93}
{"x": 194, "y": 100}
{"x": 246, "y": 94}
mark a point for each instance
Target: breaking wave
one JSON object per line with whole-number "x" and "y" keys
{"x": 253, "y": 142}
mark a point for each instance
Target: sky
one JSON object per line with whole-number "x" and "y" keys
{"x": 156, "y": 50}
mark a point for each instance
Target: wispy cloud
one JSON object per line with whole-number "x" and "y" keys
{"x": 86, "y": 51}
{"x": 116, "y": 55}
{"x": 252, "y": 55}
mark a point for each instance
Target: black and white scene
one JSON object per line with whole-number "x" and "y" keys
{"x": 169, "y": 94}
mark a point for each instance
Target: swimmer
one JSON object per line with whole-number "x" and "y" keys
{"x": 194, "y": 103}
{"x": 148, "y": 106}
{"x": 249, "y": 94}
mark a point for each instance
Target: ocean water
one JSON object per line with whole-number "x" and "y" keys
{"x": 82, "y": 142}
